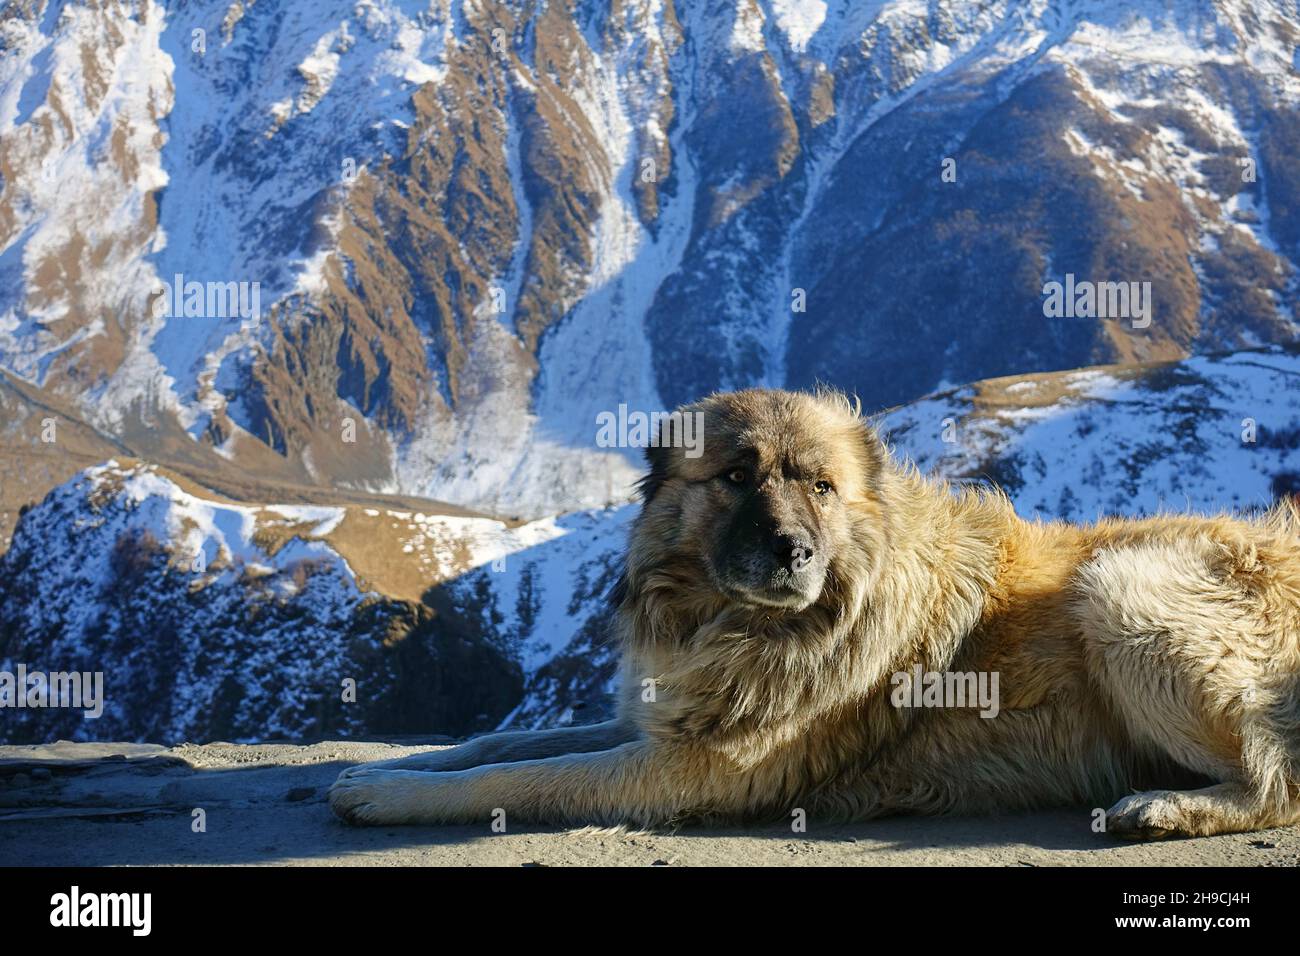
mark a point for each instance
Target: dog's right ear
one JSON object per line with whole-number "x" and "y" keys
{"x": 619, "y": 592}
{"x": 656, "y": 457}
{"x": 658, "y": 453}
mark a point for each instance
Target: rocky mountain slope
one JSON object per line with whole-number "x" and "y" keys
{"x": 461, "y": 229}
{"x": 216, "y": 618}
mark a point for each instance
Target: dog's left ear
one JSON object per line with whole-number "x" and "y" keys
{"x": 874, "y": 452}
{"x": 873, "y": 446}
{"x": 870, "y": 447}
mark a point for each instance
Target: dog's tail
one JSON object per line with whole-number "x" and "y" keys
{"x": 1284, "y": 516}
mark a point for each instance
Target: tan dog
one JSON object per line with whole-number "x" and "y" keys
{"x": 792, "y": 595}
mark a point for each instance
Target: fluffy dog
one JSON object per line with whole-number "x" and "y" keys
{"x": 788, "y": 591}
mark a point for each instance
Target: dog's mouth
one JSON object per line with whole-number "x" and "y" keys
{"x": 754, "y": 580}
{"x": 786, "y": 596}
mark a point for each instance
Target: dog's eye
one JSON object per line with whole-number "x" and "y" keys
{"x": 737, "y": 476}
{"x": 823, "y": 488}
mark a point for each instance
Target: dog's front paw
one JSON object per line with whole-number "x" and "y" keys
{"x": 1154, "y": 815}
{"x": 359, "y": 769}
{"x": 364, "y": 796}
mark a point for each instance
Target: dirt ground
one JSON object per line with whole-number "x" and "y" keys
{"x": 103, "y": 804}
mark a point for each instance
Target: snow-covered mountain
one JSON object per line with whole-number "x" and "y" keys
{"x": 433, "y": 240}
{"x": 212, "y": 618}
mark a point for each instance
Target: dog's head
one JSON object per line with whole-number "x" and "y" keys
{"x": 767, "y": 498}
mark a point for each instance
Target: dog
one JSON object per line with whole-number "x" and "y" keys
{"x": 783, "y": 589}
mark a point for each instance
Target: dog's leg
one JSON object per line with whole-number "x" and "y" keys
{"x": 1225, "y": 808}
{"x": 513, "y": 745}
{"x": 638, "y": 783}
{"x": 1185, "y": 644}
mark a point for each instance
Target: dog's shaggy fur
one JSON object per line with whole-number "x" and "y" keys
{"x": 776, "y": 584}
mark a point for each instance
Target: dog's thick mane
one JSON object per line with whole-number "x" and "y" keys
{"x": 746, "y": 679}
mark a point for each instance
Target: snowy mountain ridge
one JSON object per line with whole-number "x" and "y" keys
{"x": 475, "y": 226}
{"x": 220, "y": 619}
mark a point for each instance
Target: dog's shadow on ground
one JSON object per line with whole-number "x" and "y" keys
{"x": 1044, "y": 830}
{"x": 165, "y": 811}
{"x": 133, "y": 812}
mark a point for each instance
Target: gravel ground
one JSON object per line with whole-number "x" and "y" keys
{"x": 104, "y": 804}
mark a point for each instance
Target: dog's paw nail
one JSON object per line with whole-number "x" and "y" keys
{"x": 1144, "y": 816}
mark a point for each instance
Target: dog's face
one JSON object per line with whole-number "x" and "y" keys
{"x": 772, "y": 498}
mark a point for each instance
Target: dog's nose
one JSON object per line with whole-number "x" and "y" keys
{"x": 794, "y": 552}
